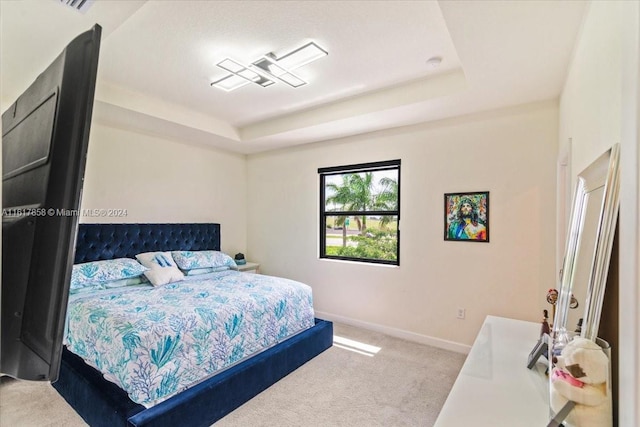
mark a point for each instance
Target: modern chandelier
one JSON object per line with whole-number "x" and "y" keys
{"x": 268, "y": 69}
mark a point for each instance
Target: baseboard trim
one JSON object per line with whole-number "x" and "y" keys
{"x": 398, "y": 333}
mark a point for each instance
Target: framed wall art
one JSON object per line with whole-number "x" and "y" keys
{"x": 466, "y": 216}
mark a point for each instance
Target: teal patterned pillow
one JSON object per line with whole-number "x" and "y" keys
{"x": 138, "y": 280}
{"x": 100, "y": 272}
{"x": 87, "y": 288}
{"x": 100, "y": 286}
{"x": 198, "y": 271}
{"x": 189, "y": 260}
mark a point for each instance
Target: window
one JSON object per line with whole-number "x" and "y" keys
{"x": 360, "y": 212}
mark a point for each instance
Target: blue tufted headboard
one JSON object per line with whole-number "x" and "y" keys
{"x": 108, "y": 241}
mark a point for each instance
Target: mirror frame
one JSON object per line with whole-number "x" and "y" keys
{"x": 604, "y": 171}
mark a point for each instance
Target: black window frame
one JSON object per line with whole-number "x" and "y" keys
{"x": 357, "y": 168}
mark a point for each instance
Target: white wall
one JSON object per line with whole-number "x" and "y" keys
{"x": 512, "y": 153}
{"x": 599, "y": 107}
{"x": 157, "y": 180}
{"x": 591, "y": 99}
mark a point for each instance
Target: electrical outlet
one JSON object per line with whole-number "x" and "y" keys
{"x": 461, "y": 313}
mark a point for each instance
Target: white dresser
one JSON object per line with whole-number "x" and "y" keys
{"x": 494, "y": 387}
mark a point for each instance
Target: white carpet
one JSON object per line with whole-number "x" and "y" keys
{"x": 385, "y": 382}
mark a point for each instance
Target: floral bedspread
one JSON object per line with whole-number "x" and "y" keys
{"x": 154, "y": 342}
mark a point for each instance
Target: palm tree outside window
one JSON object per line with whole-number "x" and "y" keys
{"x": 360, "y": 212}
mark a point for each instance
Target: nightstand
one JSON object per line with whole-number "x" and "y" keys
{"x": 249, "y": 267}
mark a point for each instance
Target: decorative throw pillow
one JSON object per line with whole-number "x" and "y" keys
{"x": 189, "y": 260}
{"x": 162, "y": 268}
{"x": 90, "y": 274}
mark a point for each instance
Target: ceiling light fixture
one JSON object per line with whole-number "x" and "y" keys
{"x": 302, "y": 56}
{"x": 230, "y": 82}
{"x": 279, "y": 68}
{"x": 242, "y": 71}
{"x": 269, "y": 65}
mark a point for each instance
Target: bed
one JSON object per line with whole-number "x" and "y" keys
{"x": 287, "y": 339}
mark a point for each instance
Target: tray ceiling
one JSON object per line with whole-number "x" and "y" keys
{"x": 158, "y": 59}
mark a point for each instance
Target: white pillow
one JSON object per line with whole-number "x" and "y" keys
{"x": 162, "y": 268}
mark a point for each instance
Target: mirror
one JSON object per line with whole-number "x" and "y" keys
{"x": 589, "y": 242}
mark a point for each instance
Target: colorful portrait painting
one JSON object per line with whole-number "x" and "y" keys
{"x": 466, "y": 216}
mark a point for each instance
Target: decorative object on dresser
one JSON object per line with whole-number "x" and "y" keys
{"x": 540, "y": 349}
{"x": 581, "y": 375}
{"x": 552, "y": 298}
{"x": 545, "y": 329}
{"x": 466, "y": 216}
{"x": 103, "y": 403}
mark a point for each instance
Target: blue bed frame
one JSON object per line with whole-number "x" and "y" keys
{"x": 102, "y": 403}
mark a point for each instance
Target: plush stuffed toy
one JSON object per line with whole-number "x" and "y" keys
{"x": 581, "y": 374}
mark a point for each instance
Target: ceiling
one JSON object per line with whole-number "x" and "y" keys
{"x": 158, "y": 59}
